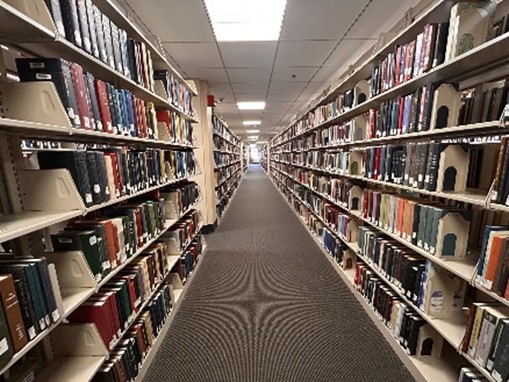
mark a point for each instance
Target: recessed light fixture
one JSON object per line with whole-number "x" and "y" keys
{"x": 253, "y": 138}
{"x": 252, "y": 131}
{"x": 252, "y": 123}
{"x": 246, "y": 20}
{"x": 251, "y": 105}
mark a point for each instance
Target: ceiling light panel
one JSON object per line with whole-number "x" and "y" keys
{"x": 252, "y": 123}
{"x": 251, "y": 105}
{"x": 246, "y": 20}
{"x": 252, "y": 131}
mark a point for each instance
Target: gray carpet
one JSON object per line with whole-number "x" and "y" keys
{"x": 266, "y": 305}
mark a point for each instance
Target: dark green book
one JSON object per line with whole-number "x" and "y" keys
{"x": 84, "y": 241}
{"x": 6, "y": 349}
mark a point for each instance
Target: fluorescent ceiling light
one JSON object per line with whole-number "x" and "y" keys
{"x": 253, "y": 138}
{"x": 252, "y": 131}
{"x": 252, "y": 123}
{"x": 246, "y": 20}
{"x": 251, "y": 105}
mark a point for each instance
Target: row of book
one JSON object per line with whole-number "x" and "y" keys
{"x": 225, "y": 173}
{"x": 222, "y": 145}
{"x": 221, "y": 158}
{"x": 222, "y": 131}
{"x": 85, "y": 26}
{"x": 115, "y": 306}
{"x": 441, "y": 230}
{"x": 412, "y": 59}
{"x": 224, "y": 195}
{"x": 109, "y": 241}
{"x": 106, "y": 175}
{"x": 471, "y": 374}
{"x": 183, "y": 233}
{"x": 127, "y": 357}
{"x": 404, "y": 323}
{"x": 90, "y": 103}
{"x": 486, "y": 338}
{"x": 181, "y": 196}
{"x": 416, "y": 277}
{"x": 178, "y": 128}
{"x": 31, "y": 302}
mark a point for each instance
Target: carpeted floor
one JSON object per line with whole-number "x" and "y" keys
{"x": 266, "y": 305}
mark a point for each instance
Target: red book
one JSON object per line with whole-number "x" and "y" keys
{"x": 116, "y": 173}
{"x": 110, "y": 299}
{"x": 398, "y": 65}
{"x": 98, "y": 313}
{"x": 376, "y": 167}
{"x": 409, "y": 63}
{"x": 81, "y": 96}
{"x": 104, "y": 107}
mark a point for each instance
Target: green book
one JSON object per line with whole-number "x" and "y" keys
{"x": 84, "y": 241}
{"x": 6, "y": 349}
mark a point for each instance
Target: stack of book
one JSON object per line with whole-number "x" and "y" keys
{"x": 91, "y": 103}
{"x": 179, "y": 129}
{"x": 127, "y": 358}
{"x": 105, "y": 175}
{"x": 181, "y": 196}
{"x": 109, "y": 241}
{"x": 177, "y": 93}
{"x": 30, "y": 300}
{"x": 486, "y": 338}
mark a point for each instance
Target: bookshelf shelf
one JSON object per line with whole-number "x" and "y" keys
{"x": 464, "y": 269}
{"x": 17, "y": 26}
{"x": 226, "y": 165}
{"x": 16, "y": 225}
{"x": 462, "y": 131}
{"x": 53, "y": 132}
{"x": 472, "y": 197}
{"x": 71, "y": 369}
{"x": 217, "y": 134}
{"x": 475, "y": 59}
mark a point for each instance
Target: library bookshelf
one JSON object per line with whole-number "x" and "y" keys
{"x": 332, "y": 167}
{"x": 38, "y": 203}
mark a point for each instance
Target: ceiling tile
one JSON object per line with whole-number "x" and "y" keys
{"x": 209, "y": 74}
{"x": 285, "y": 73}
{"x": 348, "y": 51}
{"x": 328, "y": 73}
{"x": 248, "y": 54}
{"x": 251, "y": 97}
{"x": 249, "y": 74}
{"x": 250, "y": 87}
{"x": 195, "y": 55}
{"x": 324, "y": 19}
{"x": 170, "y": 19}
{"x": 304, "y": 53}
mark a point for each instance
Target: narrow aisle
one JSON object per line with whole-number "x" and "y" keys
{"x": 265, "y": 305}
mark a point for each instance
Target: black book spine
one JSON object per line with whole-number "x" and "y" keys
{"x": 72, "y": 110}
{"x": 27, "y": 309}
{"x": 71, "y": 21}
{"x": 92, "y": 27}
{"x": 47, "y": 289}
{"x": 80, "y": 160}
{"x": 93, "y": 175}
{"x": 88, "y": 96}
{"x": 415, "y": 225}
{"x": 115, "y": 41}
{"x": 56, "y": 13}
{"x": 101, "y": 44}
{"x": 83, "y": 21}
{"x": 108, "y": 41}
{"x": 103, "y": 175}
{"x": 93, "y": 101}
{"x": 441, "y": 44}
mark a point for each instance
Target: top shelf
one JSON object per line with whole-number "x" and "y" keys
{"x": 39, "y": 37}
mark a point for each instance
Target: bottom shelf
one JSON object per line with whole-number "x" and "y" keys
{"x": 431, "y": 370}
{"x": 64, "y": 369}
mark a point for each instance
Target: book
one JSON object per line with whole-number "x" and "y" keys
{"x": 56, "y": 14}
{"x": 71, "y": 20}
{"x": 6, "y": 349}
{"x": 12, "y": 311}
